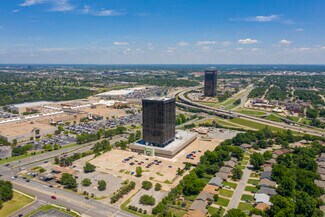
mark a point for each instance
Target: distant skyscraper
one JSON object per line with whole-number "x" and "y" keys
{"x": 158, "y": 119}
{"x": 210, "y": 82}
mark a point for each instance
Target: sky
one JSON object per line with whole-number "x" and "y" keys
{"x": 162, "y": 31}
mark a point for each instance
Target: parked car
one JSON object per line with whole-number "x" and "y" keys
{"x": 53, "y": 197}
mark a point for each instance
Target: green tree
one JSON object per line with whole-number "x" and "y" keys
{"x": 56, "y": 146}
{"x": 68, "y": 181}
{"x": 147, "y": 200}
{"x": 146, "y": 185}
{"x": 158, "y": 187}
{"x": 86, "y": 182}
{"x": 305, "y": 204}
{"x": 138, "y": 171}
{"x": 257, "y": 160}
{"x": 88, "y": 168}
{"x": 101, "y": 185}
{"x": 6, "y": 191}
{"x": 235, "y": 213}
{"x": 267, "y": 155}
{"x": 237, "y": 173}
{"x": 138, "y": 135}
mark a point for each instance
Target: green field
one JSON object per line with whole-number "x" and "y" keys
{"x": 178, "y": 212}
{"x": 226, "y": 193}
{"x": 253, "y": 124}
{"x": 247, "y": 197}
{"x": 48, "y": 207}
{"x": 250, "y": 112}
{"x": 253, "y": 181}
{"x": 213, "y": 210}
{"x": 222, "y": 202}
{"x": 251, "y": 189}
{"x": 230, "y": 184}
{"x": 17, "y": 202}
{"x": 273, "y": 117}
{"x": 245, "y": 206}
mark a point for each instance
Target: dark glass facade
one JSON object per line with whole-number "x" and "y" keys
{"x": 210, "y": 82}
{"x": 158, "y": 119}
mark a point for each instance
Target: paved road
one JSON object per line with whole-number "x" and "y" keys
{"x": 310, "y": 130}
{"x": 68, "y": 199}
{"x": 240, "y": 189}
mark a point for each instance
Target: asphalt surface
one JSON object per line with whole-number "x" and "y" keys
{"x": 311, "y": 131}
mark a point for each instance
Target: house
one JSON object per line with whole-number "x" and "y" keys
{"x": 321, "y": 171}
{"x": 322, "y": 208}
{"x": 230, "y": 164}
{"x": 321, "y": 164}
{"x": 323, "y": 197}
{"x": 262, "y": 198}
{"x": 212, "y": 189}
{"x": 245, "y": 146}
{"x": 216, "y": 181}
{"x": 271, "y": 161}
{"x": 195, "y": 213}
{"x": 262, "y": 206}
{"x": 223, "y": 176}
{"x": 199, "y": 205}
{"x": 320, "y": 183}
{"x": 233, "y": 159}
{"x": 266, "y": 190}
{"x": 267, "y": 167}
{"x": 204, "y": 196}
{"x": 267, "y": 183}
{"x": 225, "y": 169}
{"x": 266, "y": 175}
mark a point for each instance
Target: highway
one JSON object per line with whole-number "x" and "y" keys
{"x": 180, "y": 93}
{"x": 65, "y": 198}
{"x": 68, "y": 199}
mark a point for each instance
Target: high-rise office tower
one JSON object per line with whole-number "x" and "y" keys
{"x": 158, "y": 120}
{"x": 210, "y": 82}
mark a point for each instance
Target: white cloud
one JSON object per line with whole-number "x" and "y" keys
{"x": 182, "y": 43}
{"x": 239, "y": 48}
{"x": 206, "y": 42}
{"x": 263, "y": 18}
{"x": 247, "y": 41}
{"x": 285, "y": 42}
{"x": 57, "y": 5}
{"x": 120, "y": 43}
{"x": 255, "y": 49}
{"x": 322, "y": 47}
{"x": 31, "y": 2}
{"x": 304, "y": 48}
{"x": 299, "y": 30}
{"x": 62, "y": 5}
{"x": 15, "y": 11}
{"x": 108, "y": 13}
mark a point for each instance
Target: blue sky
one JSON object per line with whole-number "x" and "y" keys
{"x": 162, "y": 31}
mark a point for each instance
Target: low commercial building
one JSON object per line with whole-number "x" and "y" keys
{"x": 182, "y": 140}
{"x": 25, "y": 131}
{"x": 27, "y": 107}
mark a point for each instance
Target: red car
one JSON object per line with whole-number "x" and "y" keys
{"x": 53, "y": 197}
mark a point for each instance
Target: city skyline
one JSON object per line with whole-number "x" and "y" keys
{"x": 156, "y": 32}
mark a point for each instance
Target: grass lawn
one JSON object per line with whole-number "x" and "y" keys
{"x": 255, "y": 175}
{"x": 48, "y": 207}
{"x": 213, "y": 210}
{"x": 246, "y": 158}
{"x": 191, "y": 197}
{"x": 241, "y": 167}
{"x": 231, "y": 184}
{"x": 272, "y": 117}
{"x": 243, "y": 162}
{"x": 250, "y": 112}
{"x": 222, "y": 202}
{"x": 125, "y": 207}
{"x": 228, "y": 102}
{"x": 226, "y": 193}
{"x": 253, "y": 124}
{"x": 247, "y": 197}
{"x": 17, "y": 202}
{"x": 253, "y": 181}
{"x": 178, "y": 212}
{"x": 245, "y": 206}
{"x": 251, "y": 189}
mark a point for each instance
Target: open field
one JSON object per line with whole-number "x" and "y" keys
{"x": 48, "y": 207}
{"x": 16, "y": 203}
{"x": 250, "y": 112}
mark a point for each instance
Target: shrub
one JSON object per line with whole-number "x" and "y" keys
{"x": 146, "y": 185}
{"x": 157, "y": 187}
{"x": 147, "y": 200}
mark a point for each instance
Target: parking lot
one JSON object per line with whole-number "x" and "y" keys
{"x": 61, "y": 140}
{"x": 93, "y": 127}
{"x": 157, "y": 169}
